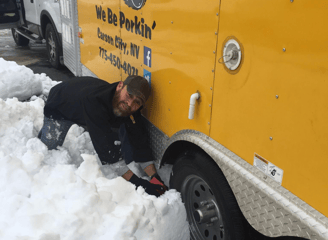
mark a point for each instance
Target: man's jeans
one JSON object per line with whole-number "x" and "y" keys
{"x": 53, "y": 132}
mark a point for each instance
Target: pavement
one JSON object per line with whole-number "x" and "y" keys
{"x": 33, "y": 56}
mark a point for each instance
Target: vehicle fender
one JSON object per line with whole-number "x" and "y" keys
{"x": 45, "y": 18}
{"x": 53, "y": 10}
{"x": 175, "y": 149}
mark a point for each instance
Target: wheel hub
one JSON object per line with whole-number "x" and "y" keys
{"x": 203, "y": 213}
{"x": 52, "y": 47}
{"x": 206, "y": 214}
{"x": 16, "y": 35}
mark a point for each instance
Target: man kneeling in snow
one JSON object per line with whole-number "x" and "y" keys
{"x": 111, "y": 113}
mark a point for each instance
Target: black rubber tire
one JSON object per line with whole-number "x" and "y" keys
{"x": 53, "y": 47}
{"x": 19, "y": 39}
{"x": 198, "y": 178}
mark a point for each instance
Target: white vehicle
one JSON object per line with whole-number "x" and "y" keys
{"x": 34, "y": 20}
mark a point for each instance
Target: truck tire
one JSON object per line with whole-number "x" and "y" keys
{"x": 212, "y": 210}
{"x": 19, "y": 39}
{"x": 53, "y": 46}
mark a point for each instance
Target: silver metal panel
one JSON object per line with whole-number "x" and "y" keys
{"x": 269, "y": 208}
{"x": 87, "y": 72}
{"x": 158, "y": 142}
{"x": 71, "y": 46}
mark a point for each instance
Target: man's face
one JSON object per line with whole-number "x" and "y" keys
{"x": 125, "y": 104}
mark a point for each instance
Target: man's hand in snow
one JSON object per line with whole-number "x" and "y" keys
{"x": 156, "y": 179}
{"x": 153, "y": 189}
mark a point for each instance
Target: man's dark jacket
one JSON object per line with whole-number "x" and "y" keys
{"x": 88, "y": 101}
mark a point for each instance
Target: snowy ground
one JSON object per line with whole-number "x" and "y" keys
{"x": 65, "y": 194}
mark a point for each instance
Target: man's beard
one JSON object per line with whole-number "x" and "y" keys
{"x": 118, "y": 109}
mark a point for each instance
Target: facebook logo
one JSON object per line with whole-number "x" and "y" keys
{"x": 147, "y": 75}
{"x": 147, "y": 56}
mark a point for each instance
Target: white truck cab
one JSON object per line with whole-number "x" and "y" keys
{"x": 34, "y": 20}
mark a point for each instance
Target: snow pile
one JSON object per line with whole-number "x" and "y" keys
{"x": 64, "y": 194}
{"x": 20, "y": 81}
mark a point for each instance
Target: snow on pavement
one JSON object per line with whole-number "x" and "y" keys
{"x": 65, "y": 194}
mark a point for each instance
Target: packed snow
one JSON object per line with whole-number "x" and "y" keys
{"x": 66, "y": 193}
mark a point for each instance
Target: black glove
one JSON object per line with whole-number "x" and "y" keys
{"x": 153, "y": 189}
{"x": 156, "y": 179}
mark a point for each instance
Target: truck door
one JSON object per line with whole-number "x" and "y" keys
{"x": 270, "y": 106}
{"x": 173, "y": 45}
{"x": 10, "y": 14}
{"x": 31, "y": 11}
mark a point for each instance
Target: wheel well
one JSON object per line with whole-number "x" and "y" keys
{"x": 178, "y": 148}
{"x": 44, "y": 20}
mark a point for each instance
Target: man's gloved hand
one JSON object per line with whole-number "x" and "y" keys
{"x": 153, "y": 189}
{"x": 156, "y": 179}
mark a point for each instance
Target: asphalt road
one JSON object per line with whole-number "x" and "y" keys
{"x": 33, "y": 56}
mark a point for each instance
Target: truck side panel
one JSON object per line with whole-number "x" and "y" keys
{"x": 276, "y": 105}
{"x": 164, "y": 35}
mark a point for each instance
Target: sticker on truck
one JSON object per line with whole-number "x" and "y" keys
{"x": 268, "y": 168}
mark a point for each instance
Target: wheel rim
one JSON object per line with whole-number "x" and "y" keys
{"x": 15, "y": 35}
{"x": 204, "y": 216}
{"x": 52, "y": 47}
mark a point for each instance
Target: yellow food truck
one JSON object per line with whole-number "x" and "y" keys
{"x": 239, "y": 102}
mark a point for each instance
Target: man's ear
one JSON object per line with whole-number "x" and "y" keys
{"x": 119, "y": 86}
